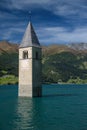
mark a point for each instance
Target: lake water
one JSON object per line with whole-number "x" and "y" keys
{"x": 62, "y": 107}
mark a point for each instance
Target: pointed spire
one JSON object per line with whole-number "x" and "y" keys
{"x": 30, "y": 38}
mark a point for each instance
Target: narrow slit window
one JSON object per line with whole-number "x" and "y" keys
{"x": 25, "y": 54}
{"x": 36, "y": 55}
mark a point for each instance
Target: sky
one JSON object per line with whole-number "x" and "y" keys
{"x": 54, "y": 21}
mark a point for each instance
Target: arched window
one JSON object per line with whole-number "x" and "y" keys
{"x": 25, "y": 54}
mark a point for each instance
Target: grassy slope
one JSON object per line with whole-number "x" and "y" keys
{"x": 9, "y": 68}
{"x": 8, "y": 63}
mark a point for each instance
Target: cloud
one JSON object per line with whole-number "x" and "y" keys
{"x": 58, "y": 7}
{"x": 6, "y": 15}
{"x": 66, "y": 10}
{"x": 25, "y": 4}
{"x": 13, "y": 33}
{"x": 47, "y": 35}
{"x": 62, "y": 35}
{"x": 5, "y": 4}
{"x": 75, "y": 9}
{"x": 73, "y": 14}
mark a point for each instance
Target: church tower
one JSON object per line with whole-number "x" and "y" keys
{"x": 30, "y": 64}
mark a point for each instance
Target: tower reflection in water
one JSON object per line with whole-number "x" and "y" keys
{"x": 28, "y": 114}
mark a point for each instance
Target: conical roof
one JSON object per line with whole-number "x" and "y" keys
{"x": 29, "y": 38}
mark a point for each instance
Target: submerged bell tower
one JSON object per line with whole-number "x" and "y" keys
{"x": 30, "y": 64}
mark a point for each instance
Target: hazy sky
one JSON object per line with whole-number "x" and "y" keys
{"x": 55, "y": 21}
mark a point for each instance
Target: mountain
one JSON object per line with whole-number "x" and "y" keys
{"x": 60, "y": 63}
{"x": 6, "y": 47}
{"x": 54, "y": 48}
{"x": 64, "y": 63}
{"x": 78, "y": 46}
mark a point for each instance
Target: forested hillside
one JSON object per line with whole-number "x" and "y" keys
{"x": 60, "y": 64}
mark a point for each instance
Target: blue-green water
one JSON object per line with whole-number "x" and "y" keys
{"x": 62, "y": 107}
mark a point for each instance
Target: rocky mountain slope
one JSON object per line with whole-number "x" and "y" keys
{"x": 6, "y": 47}
{"x": 78, "y": 46}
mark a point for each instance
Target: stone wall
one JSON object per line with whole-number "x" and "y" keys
{"x": 30, "y": 72}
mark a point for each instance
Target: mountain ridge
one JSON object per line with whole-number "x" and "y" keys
{"x": 8, "y": 47}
